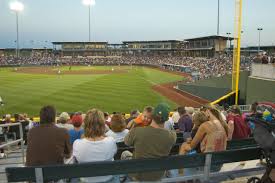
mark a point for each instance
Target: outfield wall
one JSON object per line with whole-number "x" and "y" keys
{"x": 214, "y": 88}
{"x": 260, "y": 90}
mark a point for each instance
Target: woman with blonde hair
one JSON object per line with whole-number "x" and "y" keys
{"x": 95, "y": 146}
{"x": 212, "y": 134}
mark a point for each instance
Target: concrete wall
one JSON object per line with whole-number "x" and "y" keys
{"x": 266, "y": 71}
{"x": 260, "y": 90}
{"x": 220, "y": 44}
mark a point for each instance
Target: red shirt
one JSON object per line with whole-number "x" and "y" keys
{"x": 241, "y": 129}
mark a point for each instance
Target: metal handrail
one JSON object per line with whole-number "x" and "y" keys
{"x": 15, "y": 141}
{"x": 245, "y": 108}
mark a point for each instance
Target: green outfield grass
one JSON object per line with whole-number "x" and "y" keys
{"x": 27, "y": 93}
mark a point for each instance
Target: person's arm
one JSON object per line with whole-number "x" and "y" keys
{"x": 198, "y": 137}
{"x": 67, "y": 147}
{"x": 230, "y": 129}
{"x": 130, "y": 137}
{"x": 196, "y": 140}
{"x": 174, "y": 136}
{"x": 230, "y": 120}
{"x": 130, "y": 124}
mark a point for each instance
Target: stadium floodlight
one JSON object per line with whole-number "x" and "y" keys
{"x": 17, "y": 7}
{"x": 259, "y": 47}
{"x": 218, "y": 22}
{"x": 89, "y": 3}
{"x": 229, "y": 42}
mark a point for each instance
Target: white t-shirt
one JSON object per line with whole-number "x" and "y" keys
{"x": 169, "y": 125}
{"x": 119, "y": 137}
{"x": 90, "y": 151}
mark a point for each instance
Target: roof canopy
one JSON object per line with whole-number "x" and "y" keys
{"x": 160, "y": 41}
{"x": 57, "y": 43}
{"x": 209, "y": 37}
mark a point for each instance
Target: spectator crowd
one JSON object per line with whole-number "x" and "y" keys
{"x": 95, "y": 135}
{"x": 206, "y": 67}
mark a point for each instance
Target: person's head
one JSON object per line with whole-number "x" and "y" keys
{"x": 212, "y": 112}
{"x": 16, "y": 117}
{"x": 21, "y": 117}
{"x": 198, "y": 119}
{"x": 134, "y": 113}
{"x": 190, "y": 110}
{"x": 64, "y": 118}
{"x": 77, "y": 120}
{"x": 94, "y": 124}
{"x": 147, "y": 113}
{"x": 47, "y": 115}
{"x": 235, "y": 110}
{"x": 118, "y": 123}
{"x": 161, "y": 113}
{"x": 181, "y": 110}
{"x": 253, "y": 107}
{"x": 25, "y": 115}
{"x": 106, "y": 116}
{"x": 225, "y": 106}
{"x": 7, "y": 117}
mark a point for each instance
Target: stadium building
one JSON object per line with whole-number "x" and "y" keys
{"x": 80, "y": 49}
{"x": 209, "y": 46}
{"x": 98, "y": 49}
{"x": 164, "y": 47}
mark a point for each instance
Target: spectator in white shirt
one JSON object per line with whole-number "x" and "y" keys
{"x": 169, "y": 124}
{"x": 95, "y": 146}
{"x": 176, "y": 116}
{"x": 118, "y": 128}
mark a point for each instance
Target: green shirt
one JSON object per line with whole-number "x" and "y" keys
{"x": 150, "y": 142}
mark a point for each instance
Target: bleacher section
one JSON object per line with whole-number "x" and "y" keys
{"x": 237, "y": 150}
{"x": 49, "y": 173}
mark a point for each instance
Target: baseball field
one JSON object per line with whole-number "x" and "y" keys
{"x": 109, "y": 88}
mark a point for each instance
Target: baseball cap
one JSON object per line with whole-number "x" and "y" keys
{"x": 77, "y": 120}
{"x": 163, "y": 111}
{"x": 64, "y": 115}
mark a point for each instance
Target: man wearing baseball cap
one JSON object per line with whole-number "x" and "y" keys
{"x": 63, "y": 121}
{"x": 152, "y": 141}
{"x": 78, "y": 131}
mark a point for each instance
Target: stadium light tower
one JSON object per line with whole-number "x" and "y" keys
{"x": 89, "y": 3}
{"x": 229, "y": 42}
{"x": 259, "y": 47}
{"x": 17, "y": 7}
{"x": 218, "y": 26}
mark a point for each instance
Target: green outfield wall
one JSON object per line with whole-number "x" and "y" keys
{"x": 214, "y": 88}
{"x": 260, "y": 90}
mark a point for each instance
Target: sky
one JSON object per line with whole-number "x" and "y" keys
{"x": 44, "y": 21}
